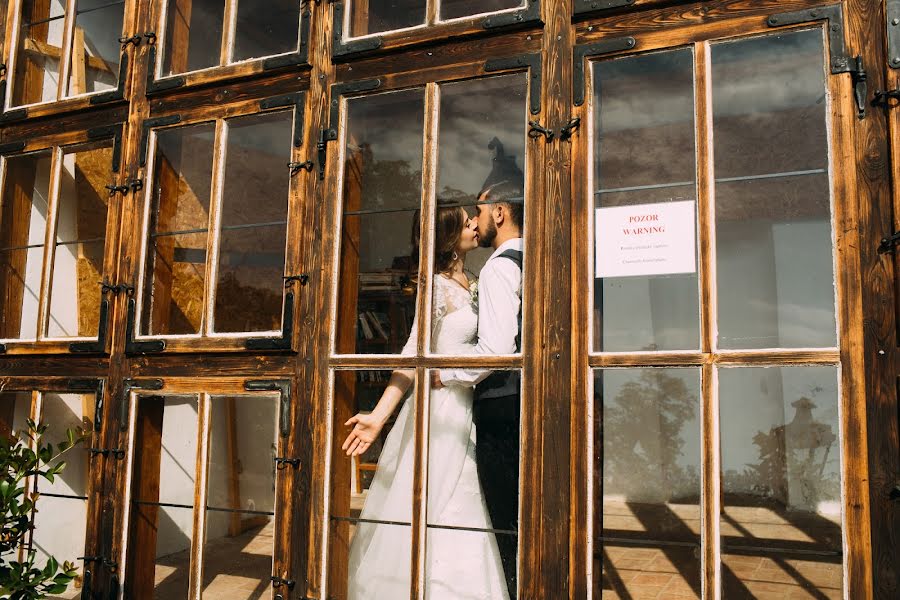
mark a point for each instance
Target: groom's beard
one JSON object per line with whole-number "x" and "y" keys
{"x": 486, "y": 239}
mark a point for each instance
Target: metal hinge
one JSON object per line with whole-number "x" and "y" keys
{"x": 115, "y": 132}
{"x": 97, "y": 346}
{"x": 138, "y": 347}
{"x": 298, "y": 101}
{"x": 283, "y": 386}
{"x": 329, "y": 134}
{"x": 155, "y": 85}
{"x": 117, "y": 93}
{"x": 892, "y": 13}
{"x": 527, "y": 15}
{"x": 287, "y": 330}
{"x": 91, "y": 386}
{"x": 149, "y": 124}
{"x": 588, "y": 6}
{"x": 530, "y": 61}
{"x": 128, "y": 385}
{"x": 580, "y": 52}
{"x": 840, "y": 59}
{"x": 340, "y": 48}
{"x": 889, "y": 244}
{"x": 301, "y": 56}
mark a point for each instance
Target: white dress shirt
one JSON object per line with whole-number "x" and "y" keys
{"x": 499, "y": 301}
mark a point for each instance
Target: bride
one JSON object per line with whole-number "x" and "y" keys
{"x": 459, "y": 562}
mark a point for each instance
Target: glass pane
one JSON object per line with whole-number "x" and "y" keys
{"x": 162, "y": 490}
{"x": 774, "y": 239}
{"x": 645, "y": 255}
{"x": 60, "y": 521}
{"x": 375, "y": 16}
{"x": 265, "y": 27}
{"x": 175, "y": 268}
{"x": 371, "y": 505}
{"x": 453, "y": 9}
{"x": 382, "y": 190}
{"x": 193, "y": 36}
{"x": 15, "y": 407}
{"x": 95, "y": 47}
{"x": 23, "y": 224}
{"x": 647, "y": 448}
{"x": 482, "y": 148}
{"x": 80, "y": 241}
{"x": 781, "y": 482}
{"x": 473, "y": 488}
{"x": 241, "y": 496}
{"x": 39, "y": 52}
{"x": 249, "y": 285}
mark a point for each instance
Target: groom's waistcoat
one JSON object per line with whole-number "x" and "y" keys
{"x": 497, "y": 396}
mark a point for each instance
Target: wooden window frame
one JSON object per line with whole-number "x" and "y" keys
{"x": 433, "y": 29}
{"x": 225, "y": 71}
{"x": 37, "y": 386}
{"x": 709, "y": 358}
{"x": 58, "y": 145}
{"x": 62, "y": 102}
{"x": 287, "y": 479}
{"x": 206, "y": 339}
{"x": 429, "y": 81}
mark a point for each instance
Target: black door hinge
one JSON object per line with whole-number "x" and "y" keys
{"x": 889, "y": 244}
{"x": 133, "y": 346}
{"x": 532, "y": 62}
{"x": 91, "y": 386}
{"x": 892, "y": 13}
{"x": 97, "y": 346}
{"x": 149, "y": 124}
{"x": 340, "y": 48}
{"x": 527, "y": 15}
{"x": 283, "y": 386}
{"x": 128, "y": 385}
{"x": 581, "y": 51}
{"x": 287, "y": 329}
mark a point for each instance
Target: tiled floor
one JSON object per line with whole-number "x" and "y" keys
{"x": 635, "y": 568}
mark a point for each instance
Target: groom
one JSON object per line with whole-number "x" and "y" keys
{"x": 497, "y": 393}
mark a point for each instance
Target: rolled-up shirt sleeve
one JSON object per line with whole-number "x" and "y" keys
{"x": 499, "y": 298}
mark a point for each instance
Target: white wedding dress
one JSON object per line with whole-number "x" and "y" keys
{"x": 459, "y": 564}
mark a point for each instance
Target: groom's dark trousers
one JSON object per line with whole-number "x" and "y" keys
{"x": 497, "y": 456}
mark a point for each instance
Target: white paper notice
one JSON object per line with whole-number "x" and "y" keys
{"x": 645, "y": 239}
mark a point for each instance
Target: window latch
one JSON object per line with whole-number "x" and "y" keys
{"x": 296, "y": 167}
{"x": 134, "y": 39}
{"x": 888, "y": 99}
{"x": 889, "y": 244}
{"x": 570, "y": 128}
{"x": 135, "y": 185}
{"x": 289, "y": 280}
{"x": 281, "y": 462}
{"x": 536, "y": 131}
{"x": 116, "y": 452}
{"x": 859, "y": 77}
{"x": 277, "y": 582}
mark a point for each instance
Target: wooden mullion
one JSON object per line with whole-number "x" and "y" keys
{"x": 49, "y": 243}
{"x": 419, "y": 528}
{"x": 427, "y": 217}
{"x": 228, "y": 32}
{"x": 581, "y": 233}
{"x": 65, "y": 61}
{"x": 11, "y": 48}
{"x": 201, "y": 493}
{"x": 710, "y": 492}
{"x": 432, "y": 10}
{"x": 213, "y": 241}
{"x": 849, "y": 214}
{"x": 706, "y": 199}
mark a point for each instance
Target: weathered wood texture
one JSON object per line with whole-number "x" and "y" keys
{"x": 556, "y": 361}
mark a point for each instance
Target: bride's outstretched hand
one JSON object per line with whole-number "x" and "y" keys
{"x": 365, "y": 431}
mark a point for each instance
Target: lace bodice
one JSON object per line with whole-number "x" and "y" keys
{"x": 454, "y": 319}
